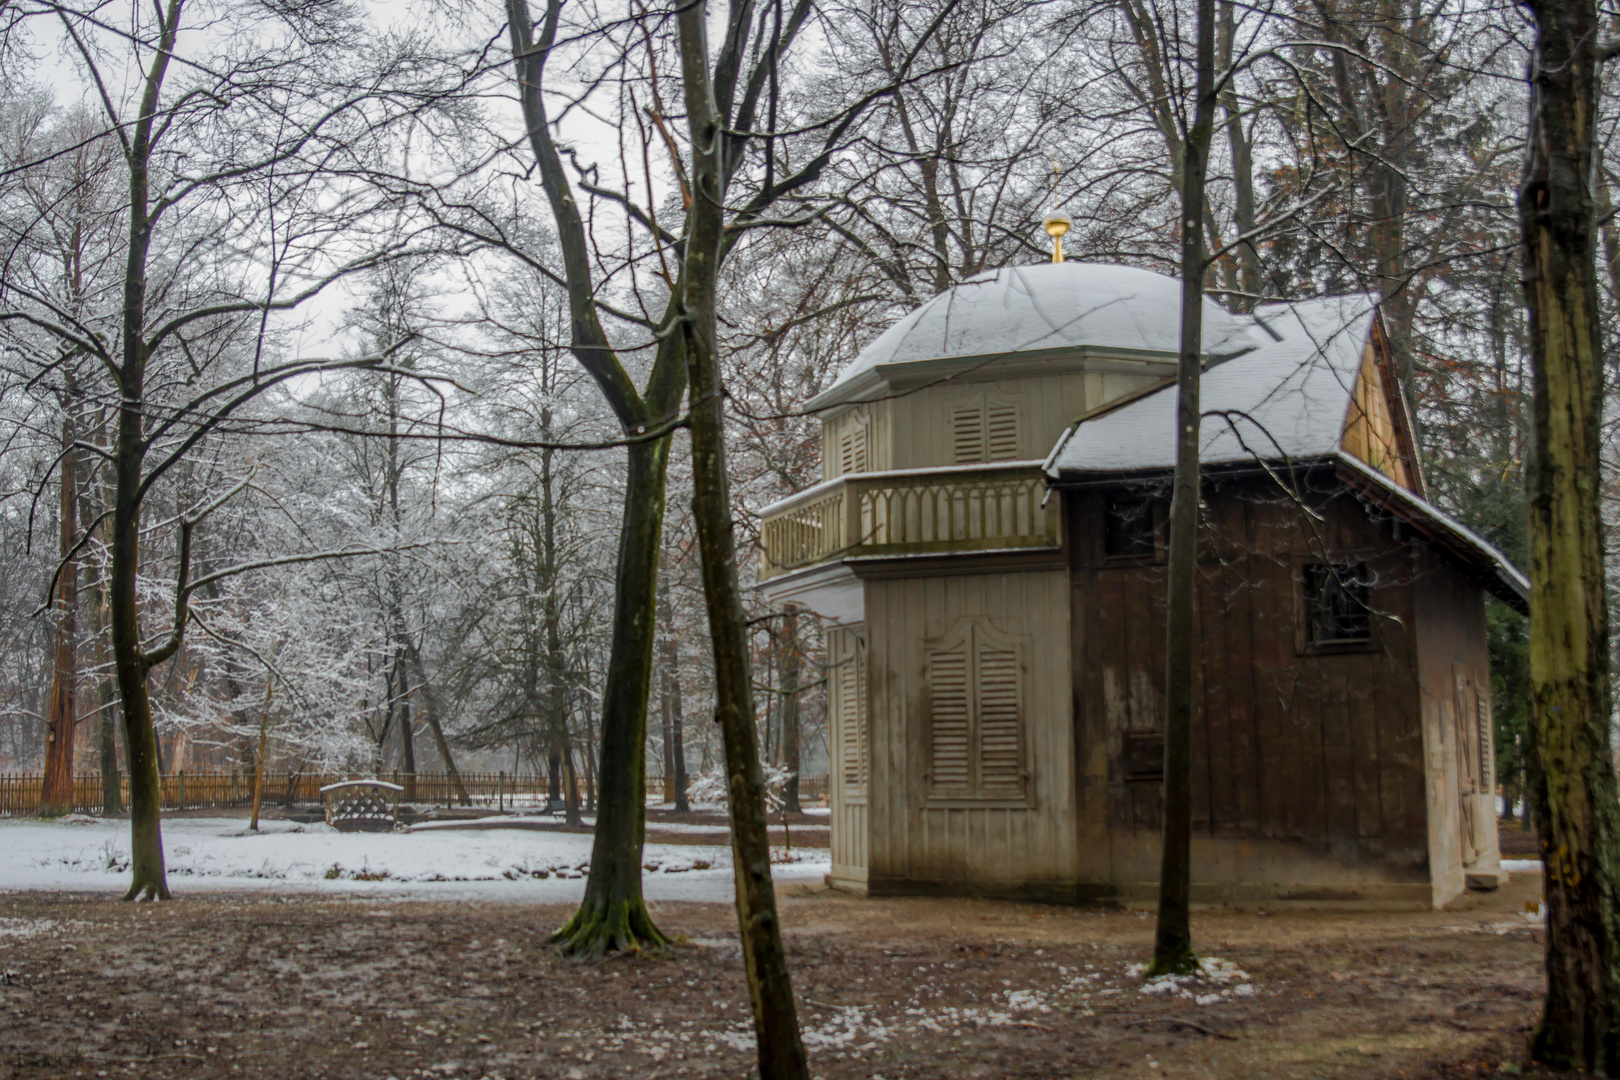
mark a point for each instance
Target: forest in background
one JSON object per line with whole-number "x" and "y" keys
{"x": 396, "y": 494}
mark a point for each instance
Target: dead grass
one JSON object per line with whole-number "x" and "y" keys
{"x": 299, "y": 987}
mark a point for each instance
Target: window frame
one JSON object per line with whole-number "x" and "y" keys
{"x": 1353, "y": 566}
{"x": 1156, "y": 509}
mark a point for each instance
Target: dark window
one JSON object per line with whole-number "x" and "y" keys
{"x": 1128, "y": 529}
{"x": 1144, "y": 755}
{"x": 1336, "y": 604}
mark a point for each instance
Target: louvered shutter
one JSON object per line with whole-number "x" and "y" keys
{"x": 1001, "y": 758}
{"x": 950, "y": 731}
{"x": 1487, "y": 767}
{"x": 852, "y": 736}
{"x": 852, "y": 448}
{"x": 967, "y": 433}
{"x": 863, "y": 727}
{"x": 849, "y": 751}
{"x": 1002, "y": 425}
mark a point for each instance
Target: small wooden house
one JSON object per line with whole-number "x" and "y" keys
{"x": 988, "y": 545}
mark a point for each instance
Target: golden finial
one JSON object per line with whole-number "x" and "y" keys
{"x": 1056, "y": 222}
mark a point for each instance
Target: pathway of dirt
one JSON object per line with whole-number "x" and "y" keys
{"x": 292, "y": 987}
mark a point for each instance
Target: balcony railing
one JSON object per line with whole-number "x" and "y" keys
{"x": 911, "y": 512}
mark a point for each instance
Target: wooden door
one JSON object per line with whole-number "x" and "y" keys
{"x": 1471, "y": 779}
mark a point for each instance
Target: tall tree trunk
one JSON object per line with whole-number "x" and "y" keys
{"x": 677, "y": 728}
{"x": 1247, "y": 255}
{"x": 790, "y": 710}
{"x": 776, "y": 1025}
{"x": 1573, "y": 790}
{"x": 62, "y": 718}
{"x": 613, "y": 914}
{"x": 1172, "y": 943}
{"x": 148, "y": 878}
{"x": 112, "y": 785}
{"x": 430, "y": 715}
{"x": 570, "y": 787}
{"x": 670, "y": 661}
{"x": 407, "y": 736}
{"x": 130, "y": 660}
{"x": 112, "y": 793}
{"x": 259, "y": 755}
{"x": 666, "y": 707}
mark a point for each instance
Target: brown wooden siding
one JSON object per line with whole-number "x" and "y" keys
{"x": 1308, "y": 763}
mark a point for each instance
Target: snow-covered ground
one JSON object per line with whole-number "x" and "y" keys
{"x": 1522, "y": 866}
{"x": 80, "y": 853}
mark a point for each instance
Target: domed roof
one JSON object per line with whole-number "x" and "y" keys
{"x": 1026, "y": 309}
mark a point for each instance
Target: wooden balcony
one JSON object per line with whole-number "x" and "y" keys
{"x": 954, "y": 510}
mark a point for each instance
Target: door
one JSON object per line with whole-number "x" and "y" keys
{"x": 1469, "y": 717}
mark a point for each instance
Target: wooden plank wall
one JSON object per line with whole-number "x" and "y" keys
{"x": 1029, "y": 849}
{"x": 1308, "y": 765}
{"x": 914, "y": 431}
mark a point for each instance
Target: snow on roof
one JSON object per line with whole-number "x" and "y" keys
{"x": 1286, "y": 398}
{"x": 1509, "y": 583}
{"x": 1023, "y": 309}
{"x": 361, "y": 783}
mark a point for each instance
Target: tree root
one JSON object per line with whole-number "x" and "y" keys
{"x": 620, "y": 926}
{"x": 148, "y": 891}
{"x": 1186, "y": 963}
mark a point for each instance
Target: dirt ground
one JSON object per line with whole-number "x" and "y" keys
{"x": 297, "y": 987}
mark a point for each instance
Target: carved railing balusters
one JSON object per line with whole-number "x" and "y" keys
{"x": 883, "y": 514}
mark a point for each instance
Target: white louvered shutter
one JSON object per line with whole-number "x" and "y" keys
{"x": 1002, "y": 427}
{"x": 863, "y": 726}
{"x": 951, "y": 723}
{"x": 967, "y": 433}
{"x": 1001, "y": 757}
{"x": 849, "y": 736}
{"x": 852, "y": 456}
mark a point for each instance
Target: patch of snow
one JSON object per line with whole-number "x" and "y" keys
{"x": 1215, "y": 980}
{"x": 220, "y": 854}
{"x": 1522, "y": 866}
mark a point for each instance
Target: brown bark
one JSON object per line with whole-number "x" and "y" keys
{"x": 1572, "y": 781}
{"x": 1247, "y": 255}
{"x": 407, "y": 734}
{"x": 791, "y": 667}
{"x": 130, "y": 660}
{"x": 258, "y": 757}
{"x": 613, "y": 914}
{"x": 1172, "y": 945}
{"x": 669, "y": 689}
{"x": 62, "y": 717}
{"x": 674, "y": 708}
{"x": 776, "y": 1027}
{"x": 430, "y": 716}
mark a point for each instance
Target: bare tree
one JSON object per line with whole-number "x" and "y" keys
{"x": 220, "y": 158}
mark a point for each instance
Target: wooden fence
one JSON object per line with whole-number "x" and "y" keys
{"x": 20, "y": 795}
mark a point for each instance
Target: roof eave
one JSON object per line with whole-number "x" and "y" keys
{"x": 1494, "y": 572}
